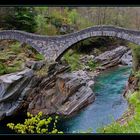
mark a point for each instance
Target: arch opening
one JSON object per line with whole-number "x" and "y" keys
{"x": 93, "y": 46}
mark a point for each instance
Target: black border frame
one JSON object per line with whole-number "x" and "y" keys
{"x": 70, "y": 2}
{"x": 77, "y": 3}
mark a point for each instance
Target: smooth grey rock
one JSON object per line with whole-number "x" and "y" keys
{"x": 61, "y": 92}
{"x": 126, "y": 59}
{"x": 2, "y": 115}
{"x": 13, "y": 88}
{"x": 70, "y": 93}
{"x": 111, "y": 58}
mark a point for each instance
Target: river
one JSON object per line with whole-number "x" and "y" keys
{"x": 109, "y": 104}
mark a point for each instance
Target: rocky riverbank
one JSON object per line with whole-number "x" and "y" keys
{"x": 57, "y": 92}
{"x": 60, "y": 92}
{"x": 120, "y": 55}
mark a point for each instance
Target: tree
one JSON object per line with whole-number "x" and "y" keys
{"x": 36, "y": 125}
{"x": 22, "y": 19}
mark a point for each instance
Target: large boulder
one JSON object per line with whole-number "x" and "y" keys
{"x": 59, "y": 92}
{"x": 13, "y": 88}
{"x": 126, "y": 59}
{"x": 111, "y": 58}
{"x": 71, "y": 92}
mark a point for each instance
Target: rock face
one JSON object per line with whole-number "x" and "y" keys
{"x": 126, "y": 59}
{"x": 60, "y": 92}
{"x": 71, "y": 92}
{"x": 132, "y": 85}
{"x": 113, "y": 57}
{"x": 13, "y": 88}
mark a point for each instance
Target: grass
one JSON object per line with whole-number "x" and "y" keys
{"x": 5, "y": 69}
{"x": 39, "y": 57}
{"x": 137, "y": 74}
{"x": 131, "y": 126}
{"x": 92, "y": 65}
{"x": 136, "y": 55}
{"x": 15, "y": 48}
{"x": 12, "y": 58}
{"x": 73, "y": 59}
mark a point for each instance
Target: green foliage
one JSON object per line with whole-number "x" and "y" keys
{"x": 72, "y": 58}
{"x": 136, "y": 56}
{"x": 22, "y": 19}
{"x": 51, "y": 29}
{"x": 16, "y": 47}
{"x": 92, "y": 64}
{"x": 83, "y": 23}
{"x": 12, "y": 58}
{"x": 9, "y": 55}
{"x": 137, "y": 74}
{"x": 5, "y": 69}
{"x": 133, "y": 125}
{"x": 72, "y": 16}
{"x": 2, "y": 68}
{"x": 41, "y": 24}
{"x": 36, "y": 125}
{"x": 39, "y": 57}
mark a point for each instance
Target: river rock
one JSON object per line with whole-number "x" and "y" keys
{"x": 86, "y": 58}
{"x": 13, "y": 88}
{"x": 35, "y": 65}
{"x": 126, "y": 59}
{"x": 71, "y": 92}
{"x": 59, "y": 92}
{"x": 111, "y": 58}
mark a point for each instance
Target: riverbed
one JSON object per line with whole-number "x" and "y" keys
{"x": 108, "y": 106}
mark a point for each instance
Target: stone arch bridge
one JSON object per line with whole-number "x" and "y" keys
{"x": 52, "y": 47}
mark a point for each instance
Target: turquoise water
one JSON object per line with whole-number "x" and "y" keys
{"x": 109, "y": 104}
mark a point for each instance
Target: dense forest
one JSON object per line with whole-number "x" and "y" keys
{"x": 61, "y": 20}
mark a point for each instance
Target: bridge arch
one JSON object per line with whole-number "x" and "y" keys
{"x": 71, "y": 46}
{"x": 104, "y": 31}
{"x": 53, "y": 47}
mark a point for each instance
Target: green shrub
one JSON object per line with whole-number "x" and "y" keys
{"x": 5, "y": 69}
{"x": 72, "y": 58}
{"x": 41, "y": 24}
{"x": 92, "y": 64}
{"x": 15, "y": 48}
{"x": 2, "y": 69}
{"x": 23, "y": 18}
{"x": 136, "y": 55}
{"x": 73, "y": 15}
{"x": 137, "y": 74}
{"x": 36, "y": 125}
{"x": 39, "y": 57}
{"x": 50, "y": 29}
